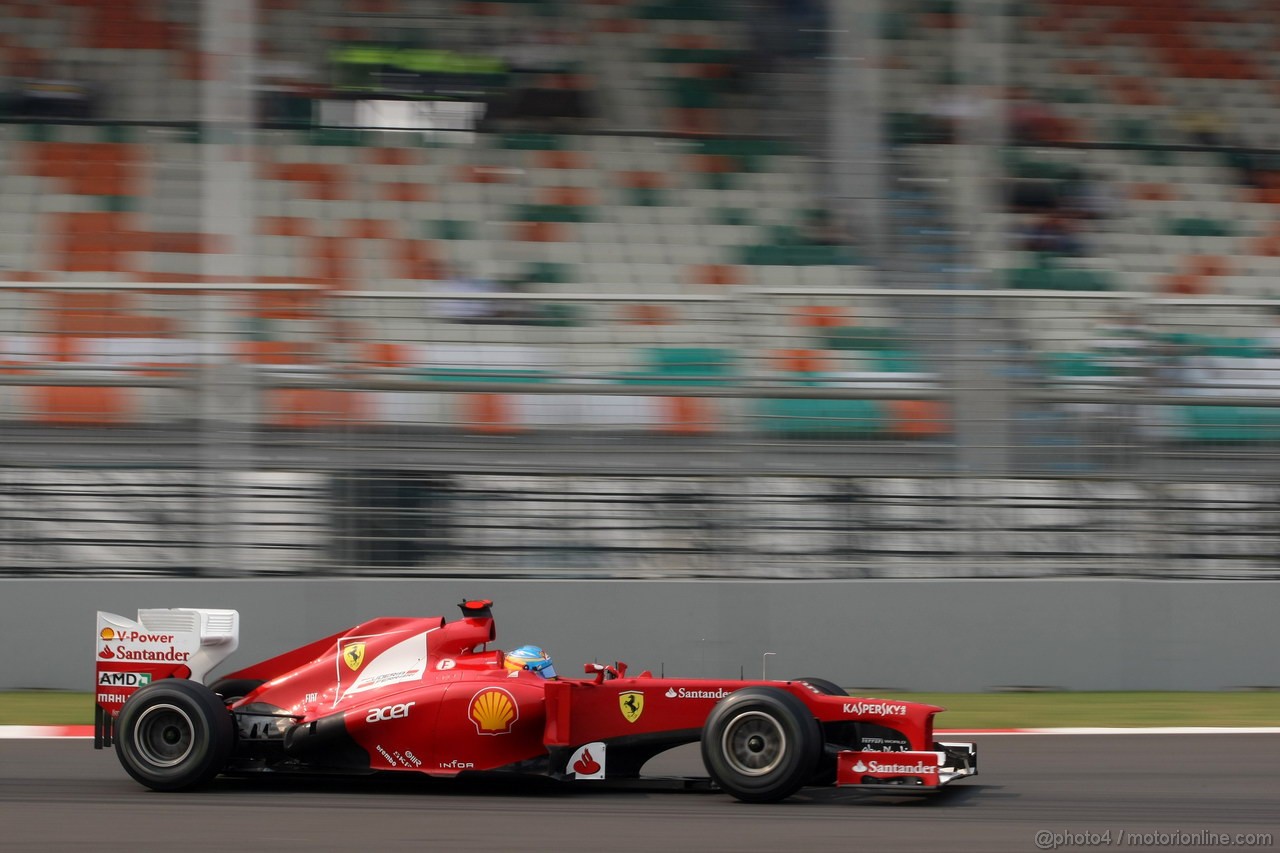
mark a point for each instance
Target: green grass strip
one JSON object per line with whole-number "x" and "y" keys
{"x": 1106, "y": 709}
{"x": 45, "y": 708}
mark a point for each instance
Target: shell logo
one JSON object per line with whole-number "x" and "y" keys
{"x": 493, "y": 710}
{"x": 107, "y": 634}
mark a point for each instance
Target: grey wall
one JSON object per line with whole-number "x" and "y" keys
{"x": 1085, "y": 634}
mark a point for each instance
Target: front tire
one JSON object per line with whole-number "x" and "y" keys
{"x": 761, "y": 744}
{"x": 835, "y": 736}
{"x": 823, "y": 686}
{"x": 173, "y": 735}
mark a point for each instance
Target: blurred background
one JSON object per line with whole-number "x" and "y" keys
{"x": 639, "y": 288}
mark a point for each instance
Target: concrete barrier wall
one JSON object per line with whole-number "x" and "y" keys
{"x": 967, "y": 635}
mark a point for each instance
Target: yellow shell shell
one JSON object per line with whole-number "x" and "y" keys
{"x": 493, "y": 711}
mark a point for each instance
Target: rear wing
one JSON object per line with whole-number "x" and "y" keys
{"x": 161, "y": 643}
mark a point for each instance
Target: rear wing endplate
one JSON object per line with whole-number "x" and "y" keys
{"x": 179, "y": 642}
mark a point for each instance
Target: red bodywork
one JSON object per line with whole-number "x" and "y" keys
{"x": 423, "y": 695}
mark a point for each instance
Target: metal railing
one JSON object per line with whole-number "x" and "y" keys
{"x": 769, "y": 433}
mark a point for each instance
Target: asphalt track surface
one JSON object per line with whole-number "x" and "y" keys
{"x": 62, "y": 795}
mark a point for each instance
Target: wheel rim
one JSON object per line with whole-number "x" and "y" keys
{"x": 753, "y": 743}
{"x": 164, "y": 735}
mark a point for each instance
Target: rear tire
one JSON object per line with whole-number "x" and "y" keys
{"x": 761, "y": 744}
{"x": 173, "y": 735}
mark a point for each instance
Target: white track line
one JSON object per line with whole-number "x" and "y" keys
{"x": 44, "y": 732}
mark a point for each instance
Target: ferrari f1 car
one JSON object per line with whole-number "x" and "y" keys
{"x": 424, "y": 696}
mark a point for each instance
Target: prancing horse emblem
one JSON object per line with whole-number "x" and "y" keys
{"x": 631, "y": 704}
{"x": 353, "y": 654}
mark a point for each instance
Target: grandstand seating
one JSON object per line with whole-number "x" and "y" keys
{"x": 640, "y": 213}
{"x": 377, "y": 212}
{"x": 344, "y": 208}
{"x": 366, "y": 210}
{"x": 1121, "y": 77}
{"x": 1145, "y": 108}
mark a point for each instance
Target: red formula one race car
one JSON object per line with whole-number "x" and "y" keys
{"x": 425, "y": 696}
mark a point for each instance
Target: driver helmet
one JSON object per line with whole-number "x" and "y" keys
{"x": 532, "y": 658}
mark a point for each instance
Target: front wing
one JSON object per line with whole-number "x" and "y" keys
{"x": 920, "y": 770}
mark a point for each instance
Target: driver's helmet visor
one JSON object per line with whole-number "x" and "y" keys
{"x": 542, "y": 667}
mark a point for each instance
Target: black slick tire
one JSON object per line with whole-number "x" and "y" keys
{"x": 823, "y": 686}
{"x": 174, "y": 735}
{"x": 826, "y": 772}
{"x": 761, "y": 744}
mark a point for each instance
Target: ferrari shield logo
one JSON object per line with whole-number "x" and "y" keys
{"x": 353, "y": 654}
{"x": 632, "y": 705}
